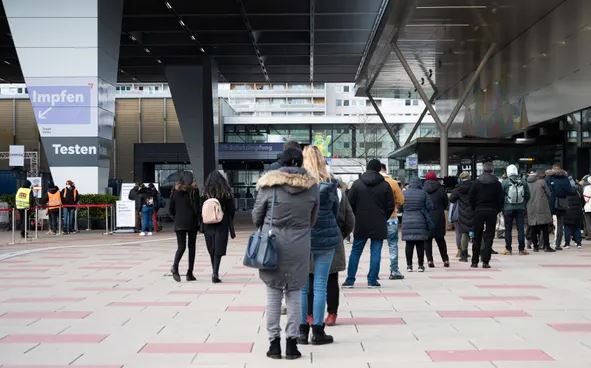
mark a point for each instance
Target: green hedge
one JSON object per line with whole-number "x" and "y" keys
{"x": 8, "y": 198}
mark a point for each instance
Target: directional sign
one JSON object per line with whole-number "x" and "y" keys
{"x": 61, "y": 104}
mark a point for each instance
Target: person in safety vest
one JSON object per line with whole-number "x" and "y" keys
{"x": 53, "y": 200}
{"x": 23, "y": 201}
{"x": 69, "y": 197}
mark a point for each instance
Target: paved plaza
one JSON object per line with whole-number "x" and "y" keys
{"x": 109, "y": 301}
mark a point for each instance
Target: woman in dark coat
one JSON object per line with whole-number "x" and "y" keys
{"x": 460, "y": 197}
{"x": 437, "y": 213}
{"x": 415, "y": 226}
{"x": 186, "y": 210}
{"x": 573, "y": 217}
{"x": 216, "y": 235}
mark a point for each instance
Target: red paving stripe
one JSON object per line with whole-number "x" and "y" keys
{"x": 221, "y": 292}
{"x": 507, "y": 355}
{"x": 54, "y": 339}
{"x": 149, "y": 304}
{"x": 472, "y": 269}
{"x": 371, "y": 321}
{"x": 245, "y": 308}
{"x": 566, "y": 265}
{"x": 43, "y": 300}
{"x": 13, "y": 261}
{"x": 98, "y": 280}
{"x": 510, "y": 286}
{"x": 34, "y": 265}
{"x": 25, "y": 277}
{"x": 482, "y": 314}
{"x": 24, "y": 286}
{"x": 401, "y": 294}
{"x": 107, "y": 289}
{"x": 239, "y": 275}
{"x": 62, "y": 366}
{"x": 105, "y": 267}
{"x": 65, "y": 257}
{"x": 186, "y": 292}
{"x": 459, "y": 277}
{"x": 197, "y": 348}
{"x": 571, "y": 327}
{"x": 507, "y": 298}
{"x": 27, "y": 270}
{"x": 46, "y": 315}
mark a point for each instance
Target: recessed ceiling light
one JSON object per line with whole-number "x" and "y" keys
{"x": 147, "y": 50}
{"x": 168, "y": 5}
{"x": 202, "y": 49}
{"x": 181, "y": 22}
{"x": 159, "y": 61}
{"x": 563, "y": 42}
{"x": 6, "y": 62}
{"x": 544, "y": 54}
{"x": 193, "y": 38}
{"x": 132, "y": 37}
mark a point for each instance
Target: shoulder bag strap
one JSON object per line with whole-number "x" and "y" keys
{"x": 272, "y": 209}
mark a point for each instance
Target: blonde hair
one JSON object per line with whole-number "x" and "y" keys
{"x": 315, "y": 164}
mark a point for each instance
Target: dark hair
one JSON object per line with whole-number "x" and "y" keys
{"x": 292, "y": 157}
{"x": 383, "y": 166}
{"x": 216, "y": 186}
{"x": 374, "y": 165}
{"x": 292, "y": 144}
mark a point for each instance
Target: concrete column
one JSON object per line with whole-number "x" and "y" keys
{"x": 69, "y": 52}
{"x": 194, "y": 92}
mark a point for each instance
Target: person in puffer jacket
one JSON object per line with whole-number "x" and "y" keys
{"x": 437, "y": 213}
{"x": 416, "y": 222}
{"x": 573, "y": 218}
{"x": 560, "y": 188}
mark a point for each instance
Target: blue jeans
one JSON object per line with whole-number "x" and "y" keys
{"x": 374, "y": 261}
{"x": 572, "y": 232}
{"x": 322, "y": 260}
{"x": 69, "y": 221}
{"x": 519, "y": 216}
{"x": 147, "y": 224}
{"x": 393, "y": 245}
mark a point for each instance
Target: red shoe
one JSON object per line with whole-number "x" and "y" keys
{"x": 310, "y": 320}
{"x": 331, "y": 319}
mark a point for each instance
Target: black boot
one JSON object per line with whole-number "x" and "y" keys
{"x": 191, "y": 277}
{"x": 319, "y": 337}
{"x": 215, "y": 279}
{"x": 275, "y": 349}
{"x": 291, "y": 349}
{"x": 304, "y": 332}
{"x": 175, "y": 274}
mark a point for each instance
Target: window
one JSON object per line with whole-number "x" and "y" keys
{"x": 346, "y": 102}
{"x": 19, "y": 90}
{"x": 415, "y": 102}
{"x": 406, "y": 102}
{"x": 346, "y": 144}
{"x": 339, "y": 102}
{"x": 345, "y": 88}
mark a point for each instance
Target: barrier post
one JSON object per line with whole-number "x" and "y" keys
{"x": 59, "y": 221}
{"x": 75, "y": 219}
{"x": 26, "y": 223}
{"x": 112, "y": 219}
{"x": 106, "y": 221}
{"x": 36, "y": 221}
{"x": 88, "y": 219}
{"x": 13, "y": 225}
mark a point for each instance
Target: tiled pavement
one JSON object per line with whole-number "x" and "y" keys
{"x": 92, "y": 304}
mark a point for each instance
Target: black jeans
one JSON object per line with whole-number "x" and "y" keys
{"x": 181, "y": 240}
{"x": 545, "y": 236}
{"x": 518, "y": 216}
{"x": 332, "y": 294}
{"x": 485, "y": 222}
{"x": 23, "y": 222}
{"x": 410, "y": 245}
{"x": 441, "y": 244}
{"x": 53, "y": 217}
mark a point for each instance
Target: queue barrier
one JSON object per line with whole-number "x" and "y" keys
{"x": 109, "y": 216}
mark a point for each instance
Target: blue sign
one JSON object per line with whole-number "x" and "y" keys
{"x": 249, "y": 151}
{"x": 61, "y": 104}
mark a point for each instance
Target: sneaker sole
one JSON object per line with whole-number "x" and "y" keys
{"x": 293, "y": 357}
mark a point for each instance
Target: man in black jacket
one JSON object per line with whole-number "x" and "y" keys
{"x": 277, "y": 164}
{"x": 487, "y": 200}
{"x": 372, "y": 202}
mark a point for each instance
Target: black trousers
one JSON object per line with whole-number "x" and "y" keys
{"x": 543, "y": 231}
{"x": 332, "y": 294}
{"x": 441, "y": 244}
{"x": 53, "y": 223}
{"x": 181, "y": 240}
{"x": 409, "y": 249}
{"x": 216, "y": 259}
{"x": 485, "y": 222}
{"x": 23, "y": 222}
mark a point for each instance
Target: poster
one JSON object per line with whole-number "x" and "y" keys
{"x": 125, "y": 212}
{"x": 323, "y": 143}
{"x": 16, "y": 155}
{"x": 36, "y": 186}
{"x": 127, "y": 187}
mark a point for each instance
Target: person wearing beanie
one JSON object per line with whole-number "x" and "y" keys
{"x": 465, "y": 222}
{"x": 516, "y": 194}
{"x": 372, "y": 202}
{"x": 23, "y": 201}
{"x": 487, "y": 200}
{"x": 440, "y": 202}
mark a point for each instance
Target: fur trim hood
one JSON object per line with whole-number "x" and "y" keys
{"x": 292, "y": 177}
{"x": 553, "y": 172}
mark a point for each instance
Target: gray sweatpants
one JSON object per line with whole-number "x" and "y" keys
{"x": 293, "y": 302}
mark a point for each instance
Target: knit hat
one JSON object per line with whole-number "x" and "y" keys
{"x": 374, "y": 165}
{"x": 488, "y": 167}
{"x": 464, "y": 176}
{"x": 27, "y": 184}
{"x": 431, "y": 176}
{"x": 512, "y": 170}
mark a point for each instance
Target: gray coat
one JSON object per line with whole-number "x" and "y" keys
{"x": 538, "y": 206}
{"x": 296, "y": 210}
{"x": 417, "y": 205}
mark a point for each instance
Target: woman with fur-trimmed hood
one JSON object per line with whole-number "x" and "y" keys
{"x": 294, "y": 215}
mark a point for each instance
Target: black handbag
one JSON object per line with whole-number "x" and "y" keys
{"x": 261, "y": 252}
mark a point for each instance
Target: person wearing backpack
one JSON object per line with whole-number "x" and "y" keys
{"x": 217, "y": 213}
{"x": 516, "y": 193}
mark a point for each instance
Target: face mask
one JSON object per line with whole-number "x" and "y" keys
{"x": 68, "y": 186}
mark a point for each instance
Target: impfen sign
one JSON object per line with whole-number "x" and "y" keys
{"x": 61, "y": 104}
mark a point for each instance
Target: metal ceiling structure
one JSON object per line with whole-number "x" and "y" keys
{"x": 250, "y": 40}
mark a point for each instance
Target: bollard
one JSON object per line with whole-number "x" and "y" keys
{"x": 59, "y": 221}
{"x": 106, "y": 221}
{"x": 13, "y": 225}
{"x": 36, "y": 221}
{"x": 112, "y": 219}
{"x": 26, "y": 220}
{"x": 75, "y": 219}
{"x": 88, "y": 219}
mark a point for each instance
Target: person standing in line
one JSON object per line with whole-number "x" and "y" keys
{"x": 216, "y": 234}
{"x": 416, "y": 222}
{"x": 587, "y": 208}
{"x": 516, "y": 193}
{"x": 560, "y": 188}
{"x": 289, "y": 144}
{"x": 573, "y": 218}
{"x": 158, "y": 204}
{"x": 487, "y": 200}
{"x": 147, "y": 211}
{"x": 136, "y": 194}
{"x": 288, "y": 199}
{"x": 24, "y": 200}
{"x": 539, "y": 215}
{"x": 465, "y": 224}
{"x": 440, "y": 202}
{"x": 185, "y": 208}
{"x": 69, "y": 197}
{"x": 372, "y": 202}
{"x": 393, "y": 225}
{"x": 53, "y": 200}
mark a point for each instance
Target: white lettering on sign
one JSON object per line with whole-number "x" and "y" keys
{"x": 56, "y": 98}
{"x": 74, "y": 150}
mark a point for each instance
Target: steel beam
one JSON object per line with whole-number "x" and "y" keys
{"x": 312, "y": 26}
{"x": 253, "y": 40}
{"x": 383, "y": 119}
{"x": 418, "y": 123}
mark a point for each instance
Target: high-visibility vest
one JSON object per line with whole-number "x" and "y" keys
{"x": 22, "y": 198}
{"x": 55, "y": 200}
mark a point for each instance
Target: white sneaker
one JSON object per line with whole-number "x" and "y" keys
{"x": 142, "y": 234}
{"x": 579, "y": 246}
{"x": 567, "y": 247}
{"x": 150, "y": 233}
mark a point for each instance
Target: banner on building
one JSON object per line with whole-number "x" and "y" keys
{"x": 16, "y": 155}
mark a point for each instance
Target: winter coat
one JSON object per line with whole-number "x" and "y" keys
{"x": 461, "y": 197}
{"x": 325, "y": 233}
{"x": 507, "y": 186}
{"x": 538, "y": 206}
{"x": 138, "y": 194}
{"x": 417, "y": 204}
{"x": 560, "y": 187}
{"x": 574, "y": 213}
{"x": 373, "y": 203}
{"x": 185, "y": 207}
{"x": 70, "y": 196}
{"x": 296, "y": 209}
{"x": 440, "y": 203}
{"x": 587, "y": 195}
{"x": 216, "y": 235}
{"x": 486, "y": 194}
{"x": 398, "y": 196}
